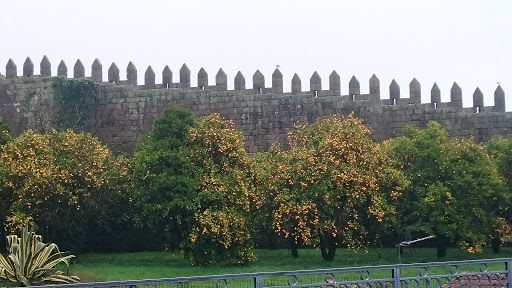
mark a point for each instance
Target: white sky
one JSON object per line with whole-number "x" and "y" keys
{"x": 467, "y": 41}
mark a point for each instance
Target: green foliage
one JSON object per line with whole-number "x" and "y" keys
{"x": 266, "y": 193}
{"x": 74, "y": 101}
{"x": 30, "y": 261}
{"x": 455, "y": 192}
{"x": 165, "y": 180}
{"x": 5, "y": 199}
{"x": 334, "y": 187}
{"x": 5, "y": 130}
{"x": 500, "y": 150}
{"x": 172, "y": 127}
{"x": 192, "y": 186}
{"x": 70, "y": 185}
{"x": 226, "y": 194}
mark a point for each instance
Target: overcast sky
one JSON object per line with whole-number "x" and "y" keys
{"x": 467, "y": 41}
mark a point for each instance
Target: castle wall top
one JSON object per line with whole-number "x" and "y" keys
{"x": 315, "y": 87}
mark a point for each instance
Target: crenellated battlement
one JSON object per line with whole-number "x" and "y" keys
{"x": 259, "y": 85}
{"x": 126, "y": 110}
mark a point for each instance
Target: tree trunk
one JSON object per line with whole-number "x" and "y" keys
{"x": 442, "y": 243}
{"x": 441, "y": 251}
{"x": 294, "y": 247}
{"x": 327, "y": 246}
{"x": 270, "y": 237}
{"x": 496, "y": 243}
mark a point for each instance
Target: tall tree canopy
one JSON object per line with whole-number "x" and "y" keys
{"x": 165, "y": 180}
{"x": 70, "y": 186}
{"x": 193, "y": 182}
{"x": 226, "y": 194}
{"x": 454, "y": 192}
{"x": 333, "y": 187}
{"x": 500, "y": 150}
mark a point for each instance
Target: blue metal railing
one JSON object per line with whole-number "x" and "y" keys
{"x": 472, "y": 273}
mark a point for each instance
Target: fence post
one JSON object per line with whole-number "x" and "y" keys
{"x": 396, "y": 277}
{"x": 508, "y": 267}
{"x": 258, "y": 282}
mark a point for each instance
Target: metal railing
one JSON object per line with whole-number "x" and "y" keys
{"x": 472, "y": 273}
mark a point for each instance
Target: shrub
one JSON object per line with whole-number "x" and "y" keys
{"x": 30, "y": 261}
{"x": 74, "y": 189}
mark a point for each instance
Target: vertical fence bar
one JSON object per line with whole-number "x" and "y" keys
{"x": 395, "y": 274}
{"x": 508, "y": 267}
{"x": 258, "y": 282}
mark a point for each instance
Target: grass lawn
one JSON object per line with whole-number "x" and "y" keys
{"x": 150, "y": 265}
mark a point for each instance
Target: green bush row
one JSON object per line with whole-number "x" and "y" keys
{"x": 191, "y": 187}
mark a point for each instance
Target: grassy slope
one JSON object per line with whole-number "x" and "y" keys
{"x": 148, "y": 265}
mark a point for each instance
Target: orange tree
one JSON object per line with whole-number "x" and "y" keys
{"x": 194, "y": 185}
{"x": 334, "y": 187}
{"x": 455, "y": 189}
{"x": 222, "y": 227}
{"x": 5, "y": 198}
{"x": 70, "y": 186}
{"x": 500, "y": 150}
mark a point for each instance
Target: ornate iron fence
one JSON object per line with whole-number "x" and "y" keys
{"x": 473, "y": 273}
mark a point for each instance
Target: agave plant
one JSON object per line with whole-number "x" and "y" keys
{"x": 30, "y": 261}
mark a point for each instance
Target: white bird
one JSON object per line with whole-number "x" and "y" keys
{"x": 498, "y": 83}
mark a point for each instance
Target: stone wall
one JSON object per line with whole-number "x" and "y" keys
{"x": 125, "y": 110}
